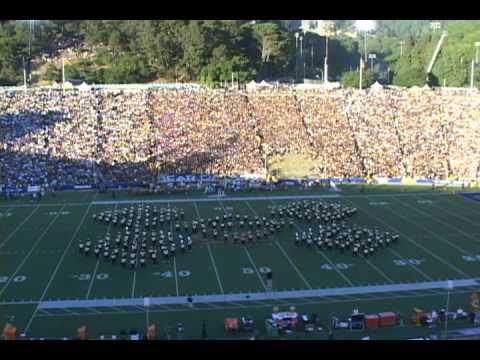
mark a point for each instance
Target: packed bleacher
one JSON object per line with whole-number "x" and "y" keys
{"x": 54, "y": 138}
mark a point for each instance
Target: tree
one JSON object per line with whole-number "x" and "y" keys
{"x": 275, "y": 47}
{"x": 53, "y": 73}
{"x": 194, "y": 45}
{"x": 352, "y": 79}
{"x": 129, "y": 69}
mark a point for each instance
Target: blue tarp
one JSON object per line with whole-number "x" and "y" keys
{"x": 424, "y": 181}
{"x": 474, "y": 196}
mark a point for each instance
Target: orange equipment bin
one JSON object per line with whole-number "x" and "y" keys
{"x": 371, "y": 321}
{"x": 10, "y": 332}
{"x": 231, "y": 324}
{"x": 387, "y": 318}
{"x": 417, "y": 317}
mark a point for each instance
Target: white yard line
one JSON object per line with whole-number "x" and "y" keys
{"x": 248, "y": 255}
{"x": 175, "y": 272}
{"x": 46, "y": 312}
{"x": 395, "y": 253}
{"x": 280, "y": 247}
{"x": 31, "y": 251}
{"x": 254, "y": 198}
{"x": 379, "y": 271}
{"x": 460, "y": 217}
{"x": 19, "y": 227}
{"x": 90, "y": 286}
{"x": 71, "y": 312}
{"x": 238, "y": 198}
{"x": 299, "y": 273}
{"x": 464, "y": 206}
{"x": 174, "y": 257}
{"x": 440, "y": 222}
{"x": 133, "y": 284}
{"x": 344, "y": 277}
{"x": 212, "y": 259}
{"x": 463, "y": 274}
{"x": 92, "y": 280}
{"x": 47, "y": 205}
{"x": 117, "y": 309}
{"x": 197, "y": 210}
{"x": 426, "y": 276}
{"x": 255, "y": 267}
{"x": 58, "y": 264}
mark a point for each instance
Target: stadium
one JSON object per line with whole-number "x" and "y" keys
{"x": 270, "y": 211}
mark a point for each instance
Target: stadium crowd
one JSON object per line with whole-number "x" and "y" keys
{"x": 55, "y": 138}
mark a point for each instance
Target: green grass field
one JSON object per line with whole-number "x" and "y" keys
{"x": 40, "y": 263}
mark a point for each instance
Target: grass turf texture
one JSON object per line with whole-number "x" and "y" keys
{"x": 39, "y": 261}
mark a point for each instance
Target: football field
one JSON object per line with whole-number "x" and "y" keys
{"x": 48, "y": 289}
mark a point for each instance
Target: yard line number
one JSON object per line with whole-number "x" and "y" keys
{"x": 85, "y": 277}
{"x": 424, "y": 202}
{"x": 5, "y": 214}
{"x": 169, "y": 274}
{"x": 222, "y": 209}
{"x": 378, "y": 203}
{"x": 250, "y": 271}
{"x": 406, "y": 262}
{"x": 339, "y": 266}
{"x": 471, "y": 258}
{"x": 55, "y": 213}
{"x": 17, "y": 279}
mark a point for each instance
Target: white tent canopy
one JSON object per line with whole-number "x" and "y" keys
{"x": 265, "y": 84}
{"x": 377, "y": 86}
{"x": 84, "y": 87}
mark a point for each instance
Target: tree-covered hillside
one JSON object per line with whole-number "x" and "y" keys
{"x": 210, "y": 51}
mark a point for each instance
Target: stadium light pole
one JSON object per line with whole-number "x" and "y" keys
{"x": 372, "y": 57}
{"x": 301, "y": 54}
{"x": 325, "y": 65}
{"x": 329, "y": 27}
{"x": 301, "y": 46}
{"x": 477, "y": 45}
{"x": 472, "y": 74}
{"x": 304, "y": 66}
{"x": 365, "y": 45}
{"x": 24, "y": 75}
{"x": 361, "y": 72}
{"x": 296, "y": 56}
{"x": 311, "y": 64}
